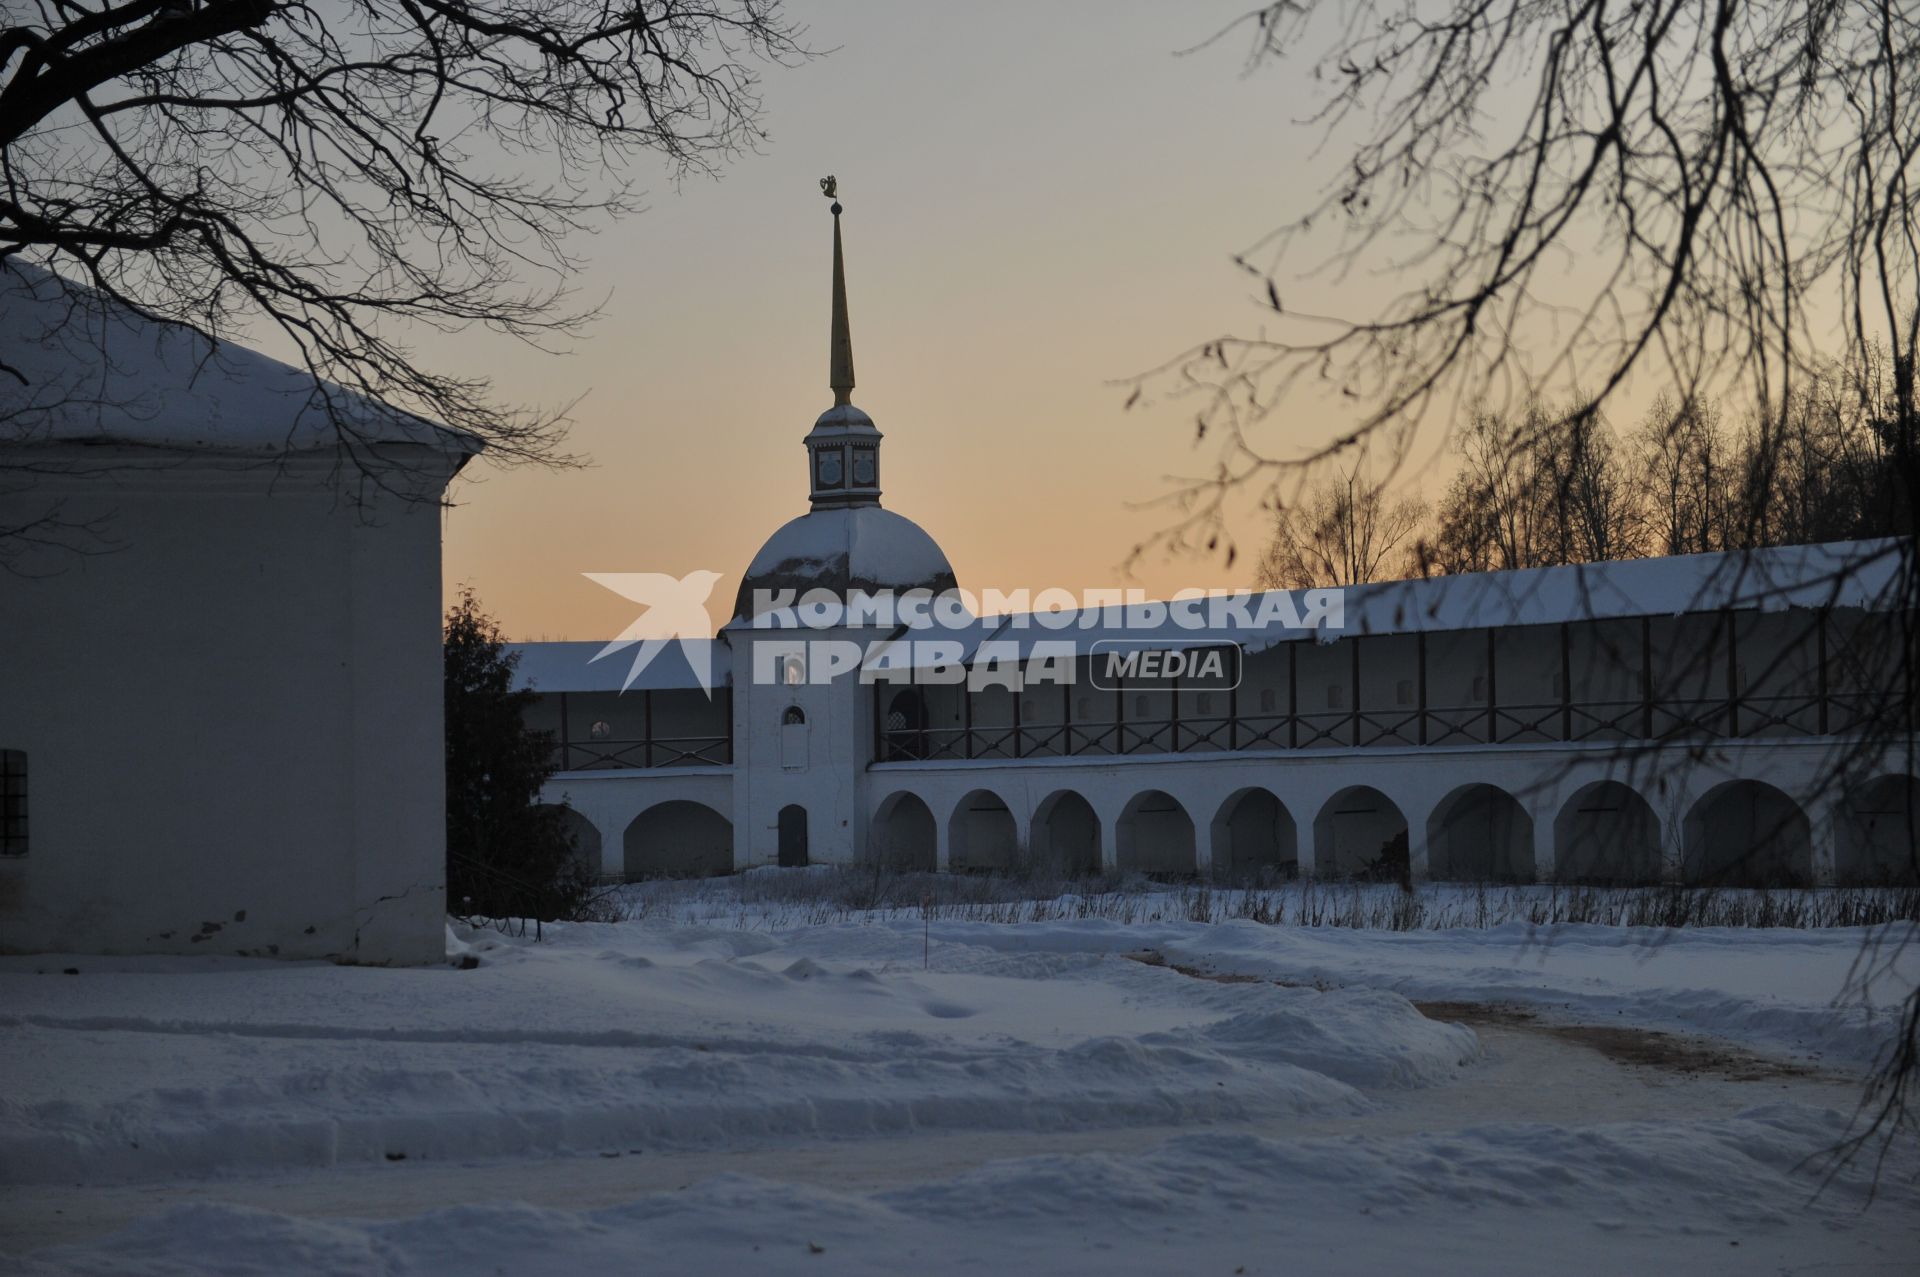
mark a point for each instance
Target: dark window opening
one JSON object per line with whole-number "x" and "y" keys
{"x": 13, "y": 802}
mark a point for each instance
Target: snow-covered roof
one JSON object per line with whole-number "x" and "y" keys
{"x": 1850, "y": 574}
{"x": 846, "y": 548}
{"x": 96, "y": 372}
{"x": 1837, "y": 574}
{"x": 571, "y": 667}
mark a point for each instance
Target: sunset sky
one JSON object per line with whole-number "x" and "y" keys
{"x": 1041, "y": 199}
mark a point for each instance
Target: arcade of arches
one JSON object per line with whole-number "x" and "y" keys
{"x": 1742, "y": 833}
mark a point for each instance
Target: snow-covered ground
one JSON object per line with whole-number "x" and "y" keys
{"x": 884, "y": 1091}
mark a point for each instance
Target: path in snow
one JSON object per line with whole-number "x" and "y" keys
{"x": 1525, "y": 1075}
{"x": 1026, "y": 1098}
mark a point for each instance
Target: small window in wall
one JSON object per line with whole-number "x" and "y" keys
{"x": 1336, "y": 696}
{"x": 793, "y": 670}
{"x": 1139, "y": 707}
{"x": 1082, "y": 709}
{"x": 793, "y": 739}
{"x": 1267, "y": 700}
{"x": 1479, "y": 692}
{"x": 1403, "y": 692}
{"x": 13, "y": 802}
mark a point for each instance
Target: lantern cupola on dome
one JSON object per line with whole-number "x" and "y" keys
{"x": 846, "y": 542}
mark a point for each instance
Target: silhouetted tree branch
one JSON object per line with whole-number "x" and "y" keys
{"x": 1714, "y": 197}
{"x": 1703, "y": 193}
{"x": 337, "y": 172}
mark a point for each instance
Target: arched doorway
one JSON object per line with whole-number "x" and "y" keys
{"x": 982, "y": 835}
{"x": 1879, "y": 829}
{"x": 902, "y": 835}
{"x": 1155, "y": 836}
{"x": 1480, "y": 833}
{"x": 1747, "y": 834}
{"x": 793, "y": 836}
{"x": 1254, "y": 838}
{"x": 1607, "y": 835}
{"x": 678, "y": 839}
{"x": 1066, "y": 836}
{"x": 1360, "y": 833}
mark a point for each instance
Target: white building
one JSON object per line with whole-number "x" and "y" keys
{"x": 1672, "y": 719}
{"x": 220, "y": 671}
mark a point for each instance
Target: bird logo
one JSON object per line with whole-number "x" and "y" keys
{"x": 675, "y": 611}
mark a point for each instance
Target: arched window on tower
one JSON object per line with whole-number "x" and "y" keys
{"x": 793, "y": 739}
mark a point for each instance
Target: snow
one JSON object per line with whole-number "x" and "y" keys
{"x": 943, "y": 1094}
{"x": 97, "y": 373}
{"x": 1774, "y": 990}
{"x": 875, "y": 550}
{"x": 844, "y": 548}
{"x": 1594, "y": 1201}
{"x": 571, "y": 667}
{"x": 1854, "y": 574}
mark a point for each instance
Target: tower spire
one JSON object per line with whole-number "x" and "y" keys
{"x": 840, "y": 376}
{"x": 843, "y": 448}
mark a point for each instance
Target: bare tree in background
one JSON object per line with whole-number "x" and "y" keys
{"x": 1683, "y": 452}
{"x": 1710, "y": 197}
{"x": 337, "y": 172}
{"x": 1732, "y": 179}
{"x": 1347, "y": 530}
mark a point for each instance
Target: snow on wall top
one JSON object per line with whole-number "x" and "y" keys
{"x": 99, "y": 373}
{"x": 844, "y": 548}
{"x": 1838, "y": 574}
{"x": 570, "y": 667}
{"x": 1848, "y": 574}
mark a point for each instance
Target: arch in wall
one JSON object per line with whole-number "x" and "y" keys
{"x": 1875, "y": 841}
{"x": 1254, "y": 836}
{"x": 1746, "y": 833}
{"x": 1066, "y": 836}
{"x": 1480, "y": 833}
{"x": 1607, "y": 835}
{"x": 1360, "y": 833}
{"x": 583, "y": 834}
{"x": 678, "y": 838}
{"x": 982, "y": 834}
{"x": 904, "y": 724}
{"x": 1155, "y": 836}
{"x": 790, "y": 848}
{"x": 902, "y": 835}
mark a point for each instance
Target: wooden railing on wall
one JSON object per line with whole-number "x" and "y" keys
{"x": 648, "y": 749}
{"x": 1650, "y": 716}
